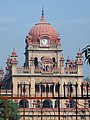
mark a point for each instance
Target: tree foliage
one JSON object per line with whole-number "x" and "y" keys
{"x": 86, "y": 52}
{"x": 87, "y": 79}
{"x": 10, "y": 108}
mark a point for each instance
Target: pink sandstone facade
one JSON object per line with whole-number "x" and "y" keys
{"x": 45, "y": 64}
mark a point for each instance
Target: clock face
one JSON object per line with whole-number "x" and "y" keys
{"x": 44, "y": 41}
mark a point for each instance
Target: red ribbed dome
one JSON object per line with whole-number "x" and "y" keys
{"x": 43, "y": 29}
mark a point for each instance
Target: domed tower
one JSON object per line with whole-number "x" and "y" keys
{"x": 42, "y": 44}
{"x": 44, "y": 77}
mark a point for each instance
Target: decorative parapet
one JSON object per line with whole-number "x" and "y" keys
{"x": 52, "y": 47}
{"x": 56, "y": 70}
{"x": 23, "y": 70}
{"x": 37, "y": 70}
{"x": 71, "y": 70}
{"x": 26, "y": 70}
{"x": 52, "y": 71}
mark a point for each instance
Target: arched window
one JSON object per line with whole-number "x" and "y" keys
{"x": 51, "y": 88}
{"x": 54, "y": 61}
{"x": 23, "y": 103}
{"x": 37, "y": 87}
{"x": 56, "y": 103}
{"x": 47, "y": 88}
{"x": 47, "y": 104}
{"x": 72, "y": 104}
{"x": 38, "y": 103}
{"x": 57, "y": 87}
{"x": 21, "y": 88}
{"x": 47, "y": 68}
{"x": 42, "y": 88}
{"x": 36, "y": 62}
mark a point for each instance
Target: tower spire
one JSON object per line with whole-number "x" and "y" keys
{"x": 42, "y": 11}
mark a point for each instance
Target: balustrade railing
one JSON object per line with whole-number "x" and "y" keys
{"x": 23, "y": 70}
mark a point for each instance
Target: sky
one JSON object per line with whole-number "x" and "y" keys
{"x": 71, "y": 19}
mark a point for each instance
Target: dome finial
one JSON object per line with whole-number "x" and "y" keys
{"x": 42, "y": 17}
{"x": 42, "y": 11}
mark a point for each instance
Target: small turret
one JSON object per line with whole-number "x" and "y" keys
{"x": 79, "y": 63}
{"x": 14, "y": 61}
{"x": 68, "y": 62}
{"x": 8, "y": 66}
{"x": 61, "y": 65}
{"x": 28, "y": 40}
{"x": 14, "y": 57}
{"x": 1, "y": 74}
{"x": 79, "y": 59}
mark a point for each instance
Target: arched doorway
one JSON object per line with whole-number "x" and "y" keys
{"x": 54, "y": 61}
{"x": 57, "y": 87}
{"x": 51, "y": 88}
{"x": 56, "y": 103}
{"x": 36, "y": 62}
{"x": 47, "y": 104}
{"x": 38, "y": 103}
{"x": 72, "y": 104}
{"x": 23, "y": 103}
{"x": 43, "y": 88}
{"x": 37, "y": 87}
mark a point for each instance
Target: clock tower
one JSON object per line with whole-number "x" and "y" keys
{"x": 43, "y": 42}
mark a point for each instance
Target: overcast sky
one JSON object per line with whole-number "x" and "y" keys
{"x": 71, "y": 19}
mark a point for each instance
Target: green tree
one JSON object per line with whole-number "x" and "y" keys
{"x": 87, "y": 79}
{"x": 86, "y": 52}
{"x": 9, "y": 108}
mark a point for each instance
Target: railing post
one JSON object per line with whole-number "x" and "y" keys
{"x": 29, "y": 89}
{"x": 41, "y": 100}
{"x": 0, "y": 87}
{"x": 53, "y": 91}
{"x": 64, "y": 89}
{"x": 12, "y": 89}
{"x": 82, "y": 90}
{"x": 58, "y": 101}
{"x": 24, "y": 102}
{"x": 71, "y": 89}
{"x": 76, "y": 100}
{"x": 47, "y": 90}
{"x": 6, "y": 117}
{"x": 35, "y": 89}
{"x": 87, "y": 89}
{"x": 18, "y": 90}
